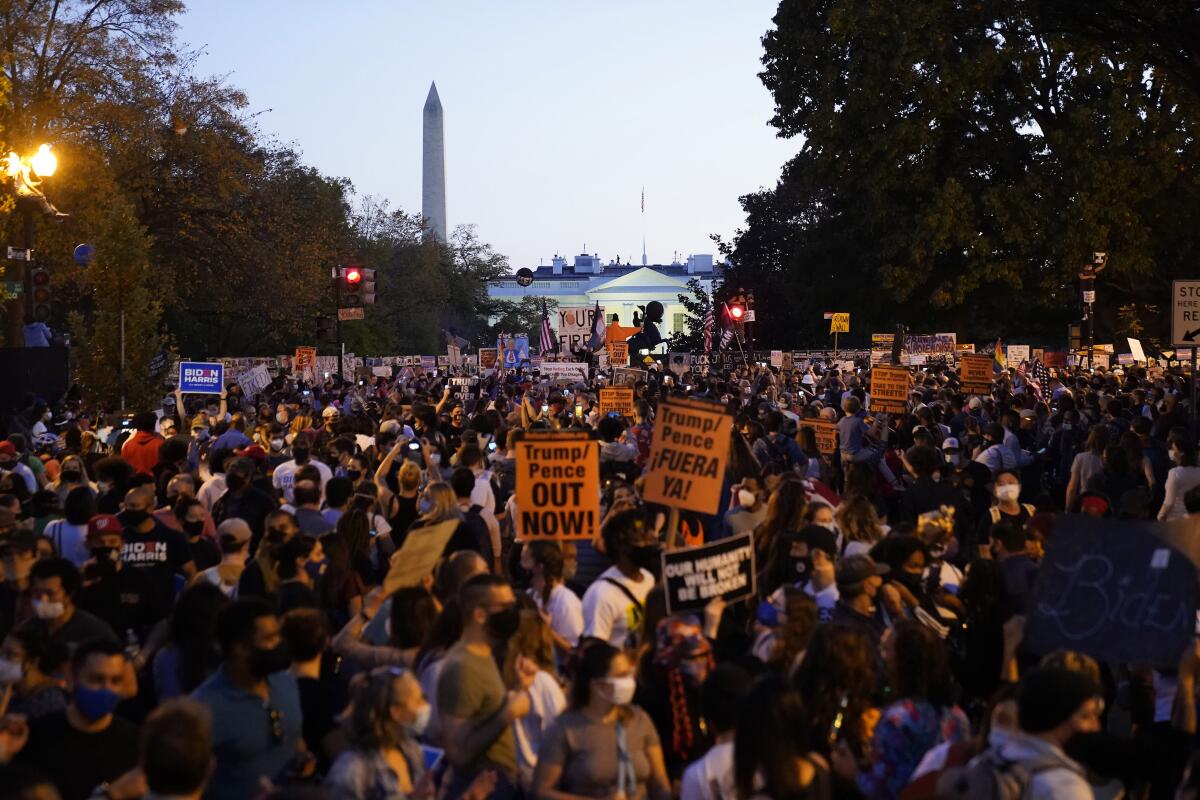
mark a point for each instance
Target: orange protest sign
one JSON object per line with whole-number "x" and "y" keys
{"x": 889, "y": 389}
{"x": 618, "y": 353}
{"x": 688, "y": 454}
{"x": 558, "y": 486}
{"x": 826, "y": 433}
{"x": 976, "y": 373}
{"x": 618, "y": 399}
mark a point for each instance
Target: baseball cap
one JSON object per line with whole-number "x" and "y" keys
{"x": 102, "y": 524}
{"x": 252, "y": 451}
{"x": 330, "y": 411}
{"x": 8, "y": 449}
{"x": 857, "y": 568}
{"x": 239, "y": 529}
{"x": 950, "y": 443}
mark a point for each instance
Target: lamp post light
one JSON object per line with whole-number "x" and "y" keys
{"x": 26, "y": 175}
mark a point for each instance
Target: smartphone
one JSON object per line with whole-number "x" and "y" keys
{"x": 545, "y": 408}
{"x": 309, "y": 391}
{"x": 414, "y": 446}
{"x": 491, "y": 446}
{"x": 579, "y": 411}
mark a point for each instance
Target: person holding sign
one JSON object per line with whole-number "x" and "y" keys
{"x": 614, "y": 605}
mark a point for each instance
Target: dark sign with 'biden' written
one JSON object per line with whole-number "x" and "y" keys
{"x": 696, "y": 575}
{"x": 1114, "y": 590}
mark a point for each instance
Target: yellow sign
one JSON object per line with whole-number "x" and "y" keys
{"x": 825, "y": 432}
{"x": 688, "y": 454}
{"x": 616, "y": 399}
{"x": 889, "y": 389}
{"x": 839, "y": 322}
{"x": 976, "y": 373}
{"x": 558, "y": 485}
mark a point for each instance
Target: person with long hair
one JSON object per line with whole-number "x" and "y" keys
{"x": 339, "y": 588}
{"x": 72, "y": 474}
{"x": 69, "y": 535}
{"x": 28, "y": 659}
{"x": 672, "y": 674}
{"x": 838, "y": 676}
{"x": 774, "y": 757}
{"x": 532, "y": 650}
{"x": 190, "y": 655}
{"x": 785, "y": 512}
{"x": 561, "y": 608}
{"x": 412, "y": 613}
{"x": 354, "y": 530}
{"x": 859, "y": 525}
{"x": 602, "y": 745}
{"x": 1182, "y": 478}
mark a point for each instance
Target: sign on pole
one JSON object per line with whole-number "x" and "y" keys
{"x": 616, "y": 399}
{"x": 304, "y": 363}
{"x": 558, "y": 486}
{"x": 839, "y": 322}
{"x": 688, "y": 454}
{"x": 201, "y": 377}
{"x": 889, "y": 389}
{"x": 696, "y": 575}
{"x": 346, "y": 314}
{"x": 1185, "y": 313}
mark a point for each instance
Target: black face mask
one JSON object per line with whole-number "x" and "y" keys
{"x": 193, "y": 529}
{"x": 300, "y": 454}
{"x": 71, "y": 477}
{"x": 135, "y": 516}
{"x": 266, "y": 662}
{"x": 502, "y": 625}
{"x": 521, "y": 578}
{"x": 234, "y": 482}
{"x": 648, "y": 557}
{"x": 353, "y": 475}
{"x": 914, "y": 583}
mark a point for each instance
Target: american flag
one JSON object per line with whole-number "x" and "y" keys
{"x": 708, "y": 329}
{"x": 549, "y": 343}
{"x": 1039, "y": 377}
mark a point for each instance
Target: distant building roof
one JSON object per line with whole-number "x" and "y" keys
{"x": 613, "y": 271}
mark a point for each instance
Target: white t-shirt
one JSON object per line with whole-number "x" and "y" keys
{"x": 546, "y": 702}
{"x": 711, "y": 777}
{"x": 565, "y": 610}
{"x": 608, "y": 613}
{"x": 285, "y": 475}
{"x": 70, "y": 541}
{"x": 826, "y": 599}
{"x": 211, "y": 491}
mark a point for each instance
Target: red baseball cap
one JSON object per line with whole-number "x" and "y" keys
{"x": 8, "y": 449}
{"x": 252, "y": 451}
{"x": 104, "y": 523}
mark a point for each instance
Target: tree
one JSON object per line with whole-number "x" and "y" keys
{"x": 959, "y": 163}
{"x": 696, "y": 306}
{"x": 523, "y": 316}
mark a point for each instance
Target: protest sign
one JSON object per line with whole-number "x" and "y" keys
{"x": 1016, "y": 353}
{"x": 1135, "y": 349}
{"x": 839, "y": 322}
{"x": 304, "y": 363}
{"x": 429, "y": 363}
{"x": 575, "y": 324}
{"x": 623, "y": 376}
{"x": 326, "y": 366}
{"x": 417, "y": 556}
{"x": 201, "y": 377}
{"x": 465, "y": 389}
{"x": 826, "y": 433}
{"x": 254, "y": 380}
{"x": 696, "y": 575}
{"x": 558, "y": 485}
{"x": 787, "y": 365}
{"x": 964, "y": 347}
{"x": 616, "y": 399}
{"x": 976, "y": 373}
{"x": 776, "y": 358}
{"x": 381, "y": 372}
{"x": 487, "y": 358}
{"x": 618, "y": 353}
{"x": 454, "y": 354}
{"x": 889, "y": 389}
{"x": 679, "y": 363}
{"x": 1115, "y": 590}
{"x": 688, "y": 454}
{"x": 565, "y": 372}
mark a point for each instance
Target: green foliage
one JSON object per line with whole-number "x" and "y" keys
{"x": 959, "y": 163}
{"x": 517, "y": 317}
{"x": 691, "y": 339}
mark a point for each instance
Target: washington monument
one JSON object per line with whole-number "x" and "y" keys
{"x": 433, "y": 174}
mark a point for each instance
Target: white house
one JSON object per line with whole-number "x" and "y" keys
{"x": 619, "y": 288}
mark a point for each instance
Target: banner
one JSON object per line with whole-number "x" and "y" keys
{"x": 565, "y": 372}
{"x": 201, "y": 377}
{"x": 628, "y": 377}
{"x": 326, "y": 366}
{"x": 254, "y": 381}
{"x": 616, "y": 400}
{"x": 688, "y": 454}
{"x": 558, "y": 486}
{"x": 1115, "y": 590}
{"x": 575, "y": 326}
{"x": 976, "y": 374}
{"x": 826, "y": 433}
{"x": 889, "y": 389}
{"x": 696, "y": 575}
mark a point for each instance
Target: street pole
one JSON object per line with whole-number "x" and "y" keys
{"x": 26, "y": 278}
{"x": 337, "y": 318}
{"x": 1195, "y": 429}
{"x": 121, "y": 371}
{"x": 1091, "y": 321}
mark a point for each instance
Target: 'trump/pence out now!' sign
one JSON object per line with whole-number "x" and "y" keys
{"x": 558, "y": 486}
{"x": 687, "y": 457}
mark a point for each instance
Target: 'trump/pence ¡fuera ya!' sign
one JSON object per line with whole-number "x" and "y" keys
{"x": 687, "y": 456}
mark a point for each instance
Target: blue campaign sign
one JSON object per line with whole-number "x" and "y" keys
{"x": 201, "y": 377}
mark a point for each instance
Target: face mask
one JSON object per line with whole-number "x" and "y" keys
{"x": 314, "y": 569}
{"x": 71, "y": 477}
{"x": 277, "y": 445}
{"x": 95, "y": 704}
{"x": 502, "y": 625}
{"x": 424, "y": 506}
{"x": 300, "y": 454}
{"x": 135, "y": 516}
{"x": 648, "y": 557}
{"x": 354, "y": 474}
{"x": 267, "y": 662}
{"x": 621, "y": 690}
{"x": 194, "y": 528}
{"x": 830, "y": 526}
{"x": 10, "y": 671}
{"x": 1009, "y": 491}
{"x": 418, "y": 726}
{"x": 435, "y": 459}
{"x": 106, "y": 554}
{"x": 281, "y": 418}
{"x": 44, "y": 609}
{"x": 746, "y": 499}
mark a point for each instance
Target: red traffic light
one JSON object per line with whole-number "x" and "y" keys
{"x": 736, "y": 312}
{"x": 353, "y": 275}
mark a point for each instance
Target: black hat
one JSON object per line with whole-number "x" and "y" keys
{"x": 857, "y": 568}
{"x": 1049, "y": 696}
{"x": 818, "y": 538}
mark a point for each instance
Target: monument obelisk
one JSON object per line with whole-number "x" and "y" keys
{"x": 433, "y": 173}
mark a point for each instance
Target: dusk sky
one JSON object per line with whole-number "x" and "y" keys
{"x": 556, "y": 113}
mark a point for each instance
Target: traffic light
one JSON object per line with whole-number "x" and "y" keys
{"x": 736, "y": 312}
{"x": 39, "y": 301}
{"x": 358, "y": 286}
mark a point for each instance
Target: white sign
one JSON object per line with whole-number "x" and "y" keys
{"x": 348, "y": 364}
{"x": 1017, "y": 353}
{"x": 254, "y": 381}
{"x": 776, "y": 358}
{"x": 575, "y": 326}
{"x": 1185, "y": 313}
{"x": 565, "y": 372}
{"x": 1135, "y": 350}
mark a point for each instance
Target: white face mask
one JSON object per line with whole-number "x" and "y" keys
{"x": 746, "y": 498}
{"x": 436, "y": 458}
{"x": 10, "y": 671}
{"x": 45, "y": 609}
{"x": 620, "y": 690}
{"x": 418, "y": 726}
{"x": 281, "y": 418}
{"x": 277, "y": 445}
{"x": 1010, "y": 491}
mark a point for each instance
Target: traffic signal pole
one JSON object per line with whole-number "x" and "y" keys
{"x": 337, "y": 319}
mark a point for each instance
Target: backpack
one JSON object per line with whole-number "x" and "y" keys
{"x": 989, "y": 776}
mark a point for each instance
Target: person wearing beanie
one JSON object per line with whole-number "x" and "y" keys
{"x": 1053, "y": 706}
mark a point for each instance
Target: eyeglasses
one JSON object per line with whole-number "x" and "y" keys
{"x": 276, "y": 718}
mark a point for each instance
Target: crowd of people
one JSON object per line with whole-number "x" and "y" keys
{"x": 194, "y": 599}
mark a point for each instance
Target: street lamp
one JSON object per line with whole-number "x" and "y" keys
{"x": 25, "y": 174}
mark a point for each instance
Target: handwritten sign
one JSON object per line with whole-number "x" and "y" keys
{"x": 687, "y": 456}
{"x": 839, "y": 322}
{"x": 1017, "y": 353}
{"x": 254, "y": 380}
{"x": 1114, "y": 590}
{"x": 558, "y": 485}
{"x": 616, "y": 399}
{"x": 826, "y": 433}
{"x": 304, "y": 365}
{"x": 976, "y": 373}
{"x": 696, "y": 575}
{"x": 565, "y": 372}
{"x": 201, "y": 377}
{"x": 623, "y": 376}
{"x": 618, "y": 353}
{"x": 487, "y": 358}
{"x": 889, "y": 389}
